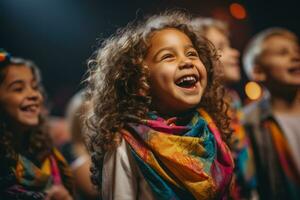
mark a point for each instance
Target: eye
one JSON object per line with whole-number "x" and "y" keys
{"x": 283, "y": 52}
{"x": 17, "y": 89}
{"x": 192, "y": 53}
{"x": 167, "y": 56}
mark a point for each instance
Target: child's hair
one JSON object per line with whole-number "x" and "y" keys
{"x": 202, "y": 25}
{"x": 254, "y": 50}
{"x": 74, "y": 115}
{"x": 37, "y": 140}
{"x": 118, "y": 83}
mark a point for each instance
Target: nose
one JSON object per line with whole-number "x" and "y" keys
{"x": 186, "y": 63}
{"x": 296, "y": 56}
{"x": 34, "y": 94}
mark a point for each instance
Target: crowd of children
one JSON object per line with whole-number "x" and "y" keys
{"x": 158, "y": 119}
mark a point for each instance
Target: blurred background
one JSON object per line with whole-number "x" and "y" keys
{"x": 60, "y": 35}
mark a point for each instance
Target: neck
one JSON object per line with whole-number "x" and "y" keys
{"x": 286, "y": 101}
{"x": 166, "y": 114}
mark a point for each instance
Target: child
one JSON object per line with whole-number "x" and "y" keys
{"x": 217, "y": 32}
{"x": 155, "y": 100}
{"x": 272, "y": 58}
{"x": 76, "y": 147}
{"x": 30, "y": 167}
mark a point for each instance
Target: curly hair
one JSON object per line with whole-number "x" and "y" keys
{"x": 118, "y": 84}
{"x": 37, "y": 144}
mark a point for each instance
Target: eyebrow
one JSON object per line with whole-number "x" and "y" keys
{"x": 163, "y": 49}
{"x": 19, "y": 82}
{"x": 15, "y": 82}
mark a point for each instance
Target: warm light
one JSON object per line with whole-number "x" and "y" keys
{"x": 253, "y": 90}
{"x": 238, "y": 11}
{"x": 2, "y": 57}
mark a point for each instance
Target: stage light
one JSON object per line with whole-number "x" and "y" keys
{"x": 238, "y": 11}
{"x": 253, "y": 90}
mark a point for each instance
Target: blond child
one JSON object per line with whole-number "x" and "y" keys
{"x": 272, "y": 59}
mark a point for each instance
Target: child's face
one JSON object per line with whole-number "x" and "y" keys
{"x": 177, "y": 75}
{"x": 229, "y": 56}
{"x": 20, "y": 97}
{"x": 280, "y": 61}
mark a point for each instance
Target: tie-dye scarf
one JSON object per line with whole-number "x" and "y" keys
{"x": 182, "y": 162}
{"x": 31, "y": 182}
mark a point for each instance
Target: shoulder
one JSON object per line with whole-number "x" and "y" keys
{"x": 119, "y": 156}
{"x": 119, "y": 174}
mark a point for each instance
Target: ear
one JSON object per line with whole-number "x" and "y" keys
{"x": 258, "y": 73}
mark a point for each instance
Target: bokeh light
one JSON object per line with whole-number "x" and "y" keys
{"x": 238, "y": 11}
{"x": 253, "y": 90}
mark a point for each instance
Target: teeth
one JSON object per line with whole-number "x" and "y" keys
{"x": 31, "y": 108}
{"x": 295, "y": 69}
{"x": 187, "y": 78}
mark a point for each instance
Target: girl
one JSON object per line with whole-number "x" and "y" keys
{"x": 155, "y": 104}
{"x": 30, "y": 167}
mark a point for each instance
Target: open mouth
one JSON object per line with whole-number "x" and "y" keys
{"x": 294, "y": 70}
{"x": 31, "y": 109}
{"x": 188, "y": 81}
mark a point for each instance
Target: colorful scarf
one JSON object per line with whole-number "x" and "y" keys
{"x": 285, "y": 157}
{"x": 242, "y": 151}
{"x": 182, "y": 162}
{"x": 31, "y": 182}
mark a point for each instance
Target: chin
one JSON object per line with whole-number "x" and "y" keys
{"x": 32, "y": 122}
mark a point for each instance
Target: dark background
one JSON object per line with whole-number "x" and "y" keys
{"x": 60, "y": 35}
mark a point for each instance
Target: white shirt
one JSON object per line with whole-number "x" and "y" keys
{"x": 291, "y": 127}
{"x": 121, "y": 177}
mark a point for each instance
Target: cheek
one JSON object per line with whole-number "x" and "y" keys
{"x": 158, "y": 83}
{"x": 11, "y": 103}
{"x": 203, "y": 72}
{"x": 275, "y": 66}
{"x": 11, "y": 109}
{"x": 227, "y": 58}
{"x": 162, "y": 76}
{"x": 204, "y": 84}
{"x": 223, "y": 57}
{"x": 273, "y": 63}
{"x": 277, "y": 73}
{"x": 41, "y": 97}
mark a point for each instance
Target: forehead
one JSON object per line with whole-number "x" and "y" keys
{"x": 215, "y": 32}
{"x": 216, "y": 36}
{"x": 18, "y": 72}
{"x": 279, "y": 41}
{"x": 169, "y": 36}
